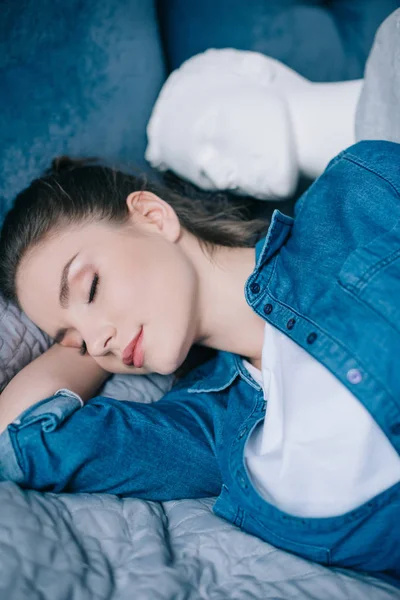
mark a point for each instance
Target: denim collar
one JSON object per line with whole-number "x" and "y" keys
{"x": 278, "y": 232}
{"x": 229, "y": 366}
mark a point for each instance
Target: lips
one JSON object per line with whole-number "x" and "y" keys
{"x": 127, "y": 356}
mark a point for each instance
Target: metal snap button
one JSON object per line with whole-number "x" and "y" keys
{"x": 354, "y": 376}
{"x": 311, "y": 338}
{"x": 255, "y": 288}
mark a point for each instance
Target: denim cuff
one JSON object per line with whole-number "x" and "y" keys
{"x": 50, "y": 412}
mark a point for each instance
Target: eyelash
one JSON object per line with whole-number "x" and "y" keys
{"x": 92, "y": 296}
{"x": 93, "y": 288}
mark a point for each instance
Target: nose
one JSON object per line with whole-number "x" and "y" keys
{"x": 100, "y": 341}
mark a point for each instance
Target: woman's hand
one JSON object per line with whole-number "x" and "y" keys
{"x": 58, "y": 367}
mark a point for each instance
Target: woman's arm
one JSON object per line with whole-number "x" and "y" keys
{"x": 58, "y": 367}
{"x": 159, "y": 451}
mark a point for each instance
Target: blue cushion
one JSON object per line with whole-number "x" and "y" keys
{"x": 76, "y": 77}
{"x": 322, "y": 40}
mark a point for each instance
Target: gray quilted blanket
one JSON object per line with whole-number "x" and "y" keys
{"x": 99, "y": 546}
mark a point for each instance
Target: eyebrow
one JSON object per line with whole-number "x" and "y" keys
{"x": 64, "y": 286}
{"x": 63, "y": 297}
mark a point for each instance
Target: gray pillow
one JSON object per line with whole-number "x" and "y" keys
{"x": 378, "y": 112}
{"x": 20, "y": 341}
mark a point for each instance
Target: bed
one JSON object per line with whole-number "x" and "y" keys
{"x": 100, "y": 546}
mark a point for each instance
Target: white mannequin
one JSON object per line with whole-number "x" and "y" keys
{"x": 238, "y": 120}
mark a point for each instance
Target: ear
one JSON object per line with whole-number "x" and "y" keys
{"x": 154, "y": 213}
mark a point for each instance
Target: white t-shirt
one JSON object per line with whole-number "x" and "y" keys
{"x": 319, "y": 452}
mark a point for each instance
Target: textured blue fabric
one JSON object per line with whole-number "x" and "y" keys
{"x": 335, "y": 271}
{"x": 76, "y": 77}
{"x": 324, "y": 41}
{"x": 81, "y": 77}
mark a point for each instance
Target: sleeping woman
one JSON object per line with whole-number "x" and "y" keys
{"x": 294, "y": 424}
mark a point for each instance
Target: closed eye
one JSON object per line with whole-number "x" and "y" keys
{"x": 92, "y": 296}
{"x": 93, "y": 288}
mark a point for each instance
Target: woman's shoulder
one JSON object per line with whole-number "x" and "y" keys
{"x": 363, "y": 179}
{"x": 377, "y": 156}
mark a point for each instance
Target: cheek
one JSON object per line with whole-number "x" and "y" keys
{"x": 120, "y": 281}
{"x": 110, "y": 363}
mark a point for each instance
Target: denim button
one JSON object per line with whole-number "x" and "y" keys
{"x": 268, "y": 309}
{"x": 396, "y": 429}
{"x": 354, "y": 376}
{"x": 255, "y": 288}
{"x": 290, "y": 323}
{"x": 311, "y": 338}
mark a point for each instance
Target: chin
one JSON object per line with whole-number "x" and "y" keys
{"x": 173, "y": 362}
{"x": 167, "y": 369}
{"x": 122, "y": 370}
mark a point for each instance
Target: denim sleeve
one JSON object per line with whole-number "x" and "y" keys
{"x": 154, "y": 451}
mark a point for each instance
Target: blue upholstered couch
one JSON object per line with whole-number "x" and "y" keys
{"x": 81, "y": 77}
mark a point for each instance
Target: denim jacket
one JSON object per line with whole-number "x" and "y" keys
{"x": 330, "y": 280}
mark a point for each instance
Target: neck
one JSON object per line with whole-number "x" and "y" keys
{"x": 323, "y": 118}
{"x": 225, "y": 320}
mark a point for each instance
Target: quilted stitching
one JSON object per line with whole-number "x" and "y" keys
{"x": 20, "y": 341}
{"x": 99, "y": 546}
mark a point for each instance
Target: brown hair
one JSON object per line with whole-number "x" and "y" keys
{"x": 75, "y": 191}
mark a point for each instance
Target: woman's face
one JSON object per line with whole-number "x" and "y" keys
{"x": 120, "y": 279}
